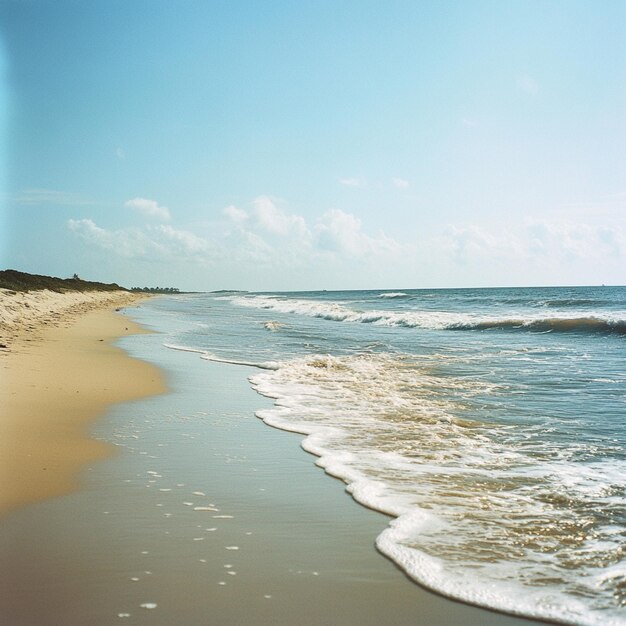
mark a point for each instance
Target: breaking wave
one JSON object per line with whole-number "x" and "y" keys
{"x": 394, "y": 294}
{"x": 482, "y": 514}
{"x": 551, "y": 324}
{"x": 437, "y": 320}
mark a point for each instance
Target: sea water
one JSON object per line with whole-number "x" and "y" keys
{"x": 488, "y": 423}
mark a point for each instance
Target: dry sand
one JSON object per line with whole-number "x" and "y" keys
{"x": 24, "y": 314}
{"x": 59, "y": 371}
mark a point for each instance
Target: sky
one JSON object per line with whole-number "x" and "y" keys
{"x": 328, "y": 144}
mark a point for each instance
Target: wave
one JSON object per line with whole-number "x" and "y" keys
{"x": 394, "y": 294}
{"x": 552, "y": 324}
{"x": 475, "y": 519}
{"x": 273, "y": 325}
{"x": 572, "y": 302}
{"x": 208, "y": 356}
{"x": 437, "y": 320}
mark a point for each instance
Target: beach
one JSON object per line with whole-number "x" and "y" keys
{"x": 59, "y": 372}
{"x": 177, "y": 508}
{"x": 332, "y": 329}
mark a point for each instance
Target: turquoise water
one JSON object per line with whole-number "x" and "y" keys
{"x": 488, "y": 422}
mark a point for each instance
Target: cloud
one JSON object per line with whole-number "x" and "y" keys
{"x": 276, "y": 221}
{"x": 182, "y": 243}
{"x": 238, "y": 216}
{"x": 157, "y": 243}
{"x": 267, "y": 244}
{"x": 120, "y": 154}
{"x": 129, "y": 243}
{"x": 609, "y": 207}
{"x": 467, "y": 243}
{"x": 549, "y": 242}
{"x": 50, "y": 196}
{"x": 149, "y": 208}
{"x": 341, "y": 233}
{"x": 528, "y": 85}
{"x": 266, "y": 240}
{"x": 568, "y": 240}
{"x": 400, "y": 183}
{"x": 352, "y": 182}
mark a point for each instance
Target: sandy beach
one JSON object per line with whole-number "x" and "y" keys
{"x": 205, "y": 514}
{"x": 59, "y": 372}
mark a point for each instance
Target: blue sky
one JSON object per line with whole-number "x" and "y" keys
{"x": 302, "y": 145}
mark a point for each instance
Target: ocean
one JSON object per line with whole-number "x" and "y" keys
{"x": 489, "y": 424}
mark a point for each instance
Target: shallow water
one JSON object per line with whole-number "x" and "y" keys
{"x": 489, "y": 422}
{"x": 205, "y": 516}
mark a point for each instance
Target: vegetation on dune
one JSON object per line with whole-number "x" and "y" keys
{"x": 21, "y": 281}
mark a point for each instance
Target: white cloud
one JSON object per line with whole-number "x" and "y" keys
{"x": 87, "y": 228}
{"x": 400, "y": 183}
{"x": 341, "y": 233}
{"x": 352, "y": 182}
{"x": 575, "y": 240}
{"x": 120, "y": 154}
{"x": 238, "y": 216}
{"x": 528, "y": 85}
{"x": 275, "y": 220}
{"x": 468, "y": 243}
{"x": 271, "y": 246}
{"x": 556, "y": 243}
{"x": 606, "y": 208}
{"x": 50, "y": 196}
{"x": 129, "y": 243}
{"x": 183, "y": 243}
{"x": 149, "y": 208}
{"x": 157, "y": 243}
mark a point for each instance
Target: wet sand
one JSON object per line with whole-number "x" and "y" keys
{"x": 206, "y": 516}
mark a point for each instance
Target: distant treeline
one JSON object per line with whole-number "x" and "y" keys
{"x": 21, "y": 281}
{"x": 156, "y": 289}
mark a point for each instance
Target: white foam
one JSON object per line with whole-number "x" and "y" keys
{"x": 393, "y": 294}
{"x": 381, "y": 424}
{"x": 273, "y": 325}
{"x": 267, "y": 365}
{"x": 208, "y": 356}
{"x": 438, "y": 320}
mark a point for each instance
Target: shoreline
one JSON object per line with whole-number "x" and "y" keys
{"x": 203, "y": 513}
{"x": 60, "y": 372}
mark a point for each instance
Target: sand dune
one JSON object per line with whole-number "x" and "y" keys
{"x": 23, "y": 314}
